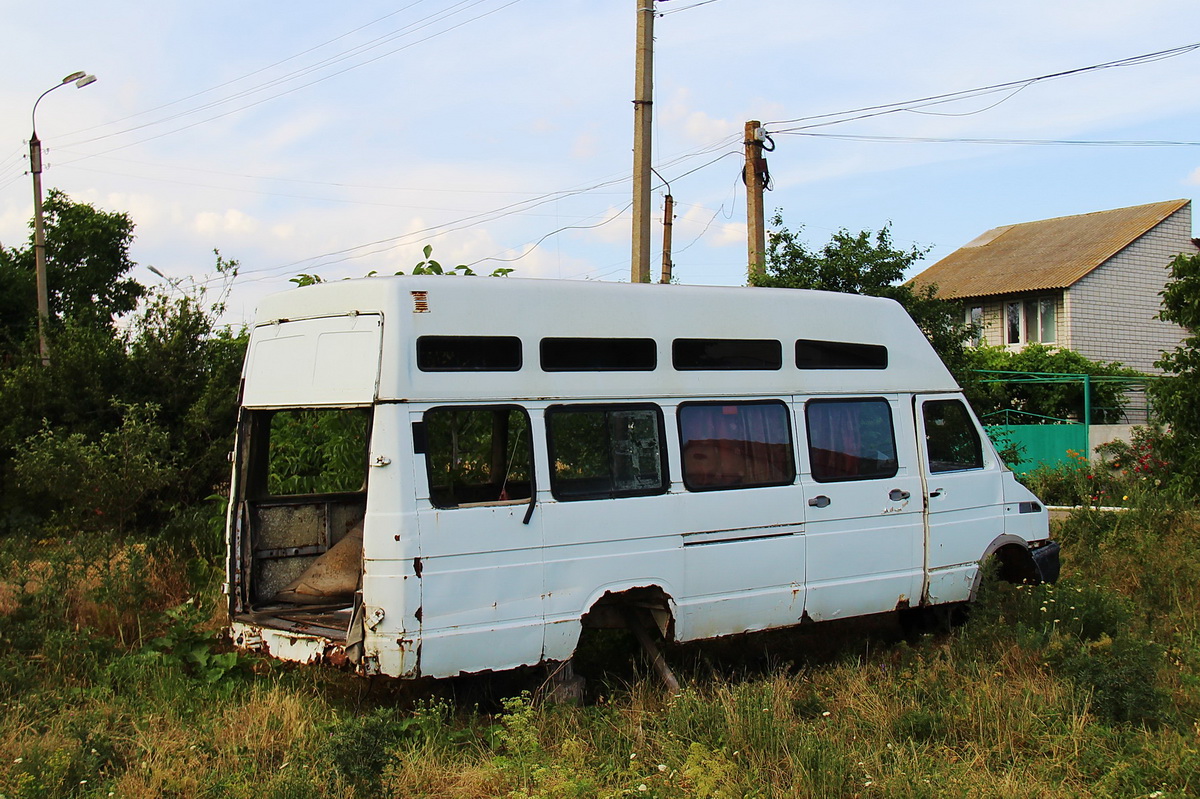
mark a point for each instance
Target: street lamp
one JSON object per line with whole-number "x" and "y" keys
{"x": 80, "y": 79}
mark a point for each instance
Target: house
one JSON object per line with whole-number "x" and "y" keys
{"x": 1089, "y": 283}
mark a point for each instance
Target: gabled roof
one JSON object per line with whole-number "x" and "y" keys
{"x": 1048, "y": 254}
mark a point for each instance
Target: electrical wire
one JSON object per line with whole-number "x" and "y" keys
{"x": 685, "y": 8}
{"x": 273, "y": 84}
{"x": 535, "y": 245}
{"x": 258, "y": 71}
{"x": 937, "y": 99}
{"x": 964, "y": 140}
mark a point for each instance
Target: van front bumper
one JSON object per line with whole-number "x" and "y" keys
{"x": 1045, "y": 558}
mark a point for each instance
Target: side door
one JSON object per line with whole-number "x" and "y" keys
{"x": 864, "y": 521}
{"x": 480, "y": 564}
{"x": 963, "y": 494}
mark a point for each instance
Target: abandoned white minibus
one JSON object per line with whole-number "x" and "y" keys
{"x": 437, "y": 476}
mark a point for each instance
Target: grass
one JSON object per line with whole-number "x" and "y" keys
{"x": 113, "y": 684}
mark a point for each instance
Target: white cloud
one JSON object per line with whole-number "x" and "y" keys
{"x": 232, "y": 221}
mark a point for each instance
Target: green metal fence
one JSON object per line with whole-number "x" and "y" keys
{"x": 1047, "y": 440}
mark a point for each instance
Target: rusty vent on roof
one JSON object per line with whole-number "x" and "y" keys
{"x": 420, "y": 301}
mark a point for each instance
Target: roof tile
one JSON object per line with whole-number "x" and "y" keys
{"x": 1047, "y": 254}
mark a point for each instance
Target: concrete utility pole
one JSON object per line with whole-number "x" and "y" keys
{"x": 755, "y": 176}
{"x": 668, "y": 219}
{"x": 643, "y": 100}
{"x": 80, "y": 79}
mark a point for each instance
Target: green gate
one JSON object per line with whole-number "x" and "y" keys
{"x": 1045, "y": 440}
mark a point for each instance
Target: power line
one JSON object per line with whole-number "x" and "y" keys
{"x": 937, "y": 99}
{"x": 277, "y": 82}
{"x": 260, "y": 70}
{"x": 964, "y": 140}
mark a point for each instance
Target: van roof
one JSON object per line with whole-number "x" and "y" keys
{"x": 531, "y": 309}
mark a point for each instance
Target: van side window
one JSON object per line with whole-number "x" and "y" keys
{"x": 599, "y": 354}
{"x": 613, "y": 451}
{"x": 468, "y": 353}
{"x": 839, "y": 355}
{"x": 713, "y": 354}
{"x": 478, "y": 455}
{"x": 951, "y": 440}
{"x": 735, "y": 445}
{"x": 317, "y": 451}
{"x": 851, "y": 439}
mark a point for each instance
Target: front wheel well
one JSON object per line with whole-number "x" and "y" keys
{"x": 1015, "y": 565}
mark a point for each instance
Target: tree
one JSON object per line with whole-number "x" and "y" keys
{"x": 867, "y": 263}
{"x": 1177, "y": 396}
{"x": 158, "y": 393}
{"x": 87, "y": 260}
{"x": 1060, "y": 399}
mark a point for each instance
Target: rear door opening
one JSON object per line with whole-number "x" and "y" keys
{"x": 301, "y": 502}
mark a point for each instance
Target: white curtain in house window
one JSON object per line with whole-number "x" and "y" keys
{"x": 1047, "y": 318}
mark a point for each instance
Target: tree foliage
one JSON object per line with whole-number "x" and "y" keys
{"x": 87, "y": 265}
{"x": 145, "y": 409}
{"x": 871, "y": 264}
{"x": 1177, "y": 396}
{"x": 1062, "y": 400}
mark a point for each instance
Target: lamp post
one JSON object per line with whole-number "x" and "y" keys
{"x": 80, "y": 79}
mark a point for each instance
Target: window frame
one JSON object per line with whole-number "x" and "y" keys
{"x": 595, "y": 340}
{"x": 417, "y": 358}
{"x": 812, "y": 461}
{"x": 868, "y": 355}
{"x": 258, "y": 454}
{"x": 970, "y": 425}
{"x": 677, "y": 344}
{"x": 581, "y": 408}
{"x": 788, "y": 427}
{"x": 426, "y": 449}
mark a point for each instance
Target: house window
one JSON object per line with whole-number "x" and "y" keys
{"x": 974, "y": 320}
{"x": 1034, "y": 320}
{"x": 1013, "y": 323}
{"x": 1047, "y": 320}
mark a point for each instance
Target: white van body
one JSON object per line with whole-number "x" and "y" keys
{"x": 525, "y": 457}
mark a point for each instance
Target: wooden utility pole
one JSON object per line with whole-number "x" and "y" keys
{"x": 668, "y": 219}
{"x": 755, "y": 177}
{"x": 643, "y": 94}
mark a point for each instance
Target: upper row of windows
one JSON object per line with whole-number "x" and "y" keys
{"x": 503, "y": 354}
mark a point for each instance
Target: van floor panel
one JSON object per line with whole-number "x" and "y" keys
{"x": 326, "y": 622}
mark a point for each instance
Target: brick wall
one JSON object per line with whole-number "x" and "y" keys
{"x": 1109, "y": 314}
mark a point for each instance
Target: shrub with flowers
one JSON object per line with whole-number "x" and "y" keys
{"x": 1122, "y": 473}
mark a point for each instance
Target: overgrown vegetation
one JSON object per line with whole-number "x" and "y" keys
{"x": 115, "y": 679}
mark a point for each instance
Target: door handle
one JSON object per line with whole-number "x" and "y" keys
{"x": 819, "y": 501}
{"x": 897, "y": 494}
{"x": 937, "y": 492}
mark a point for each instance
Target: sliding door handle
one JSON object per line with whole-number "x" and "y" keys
{"x": 898, "y": 494}
{"x": 820, "y": 501}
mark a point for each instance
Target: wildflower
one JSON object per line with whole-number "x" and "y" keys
{"x": 662, "y": 767}
{"x": 633, "y": 755}
{"x": 643, "y": 787}
{"x": 825, "y": 713}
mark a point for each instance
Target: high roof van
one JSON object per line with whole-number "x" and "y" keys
{"x": 444, "y": 475}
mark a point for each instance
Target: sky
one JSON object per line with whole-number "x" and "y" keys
{"x": 341, "y": 139}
